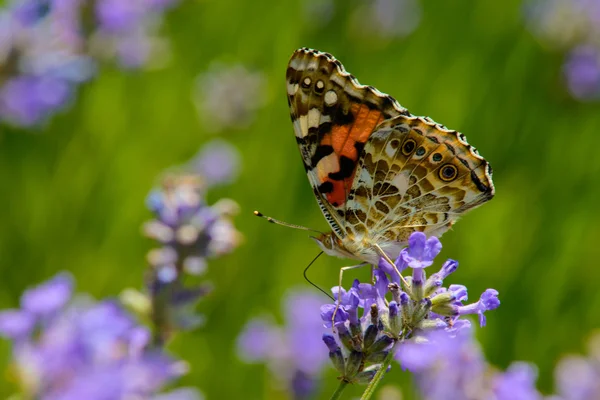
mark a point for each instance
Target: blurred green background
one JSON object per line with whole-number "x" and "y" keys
{"x": 73, "y": 194}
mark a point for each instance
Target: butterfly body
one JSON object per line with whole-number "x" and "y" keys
{"x": 378, "y": 173}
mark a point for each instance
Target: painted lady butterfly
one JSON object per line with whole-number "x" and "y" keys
{"x": 378, "y": 172}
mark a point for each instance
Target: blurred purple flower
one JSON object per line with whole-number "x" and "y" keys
{"x": 256, "y": 341}
{"x": 26, "y": 100}
{"x": 563, "y": 23}
{"x": 189, "y": 229}
{"x": 294, "y": 352}
{"x": 573, "y": 26}
{"x": 517, "y": 383}
{"x": 447, "y": 366}
{"x": 582, "y": 71}
{"x": 578, "y": 377}
{"x": 190, "y": 232}
{"x": 118, "y": 16}
{"x": 83, "y": 350}
{"x": 228, "y": 96}
{"x": 49, "y": 47}
{"x": 217, "y": 161}
{"x": 48, "y": 297}
{"x": 318, "y": 12}
{"x": 388, "y": 18}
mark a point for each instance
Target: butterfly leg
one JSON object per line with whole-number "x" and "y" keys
{"x": 387, "y": 258}
{"x": 337, "y": 303}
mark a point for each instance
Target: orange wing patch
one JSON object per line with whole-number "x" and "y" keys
{"x": 336, "y": 171}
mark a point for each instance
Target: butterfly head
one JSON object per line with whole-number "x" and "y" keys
{"x": 331, "y": 245}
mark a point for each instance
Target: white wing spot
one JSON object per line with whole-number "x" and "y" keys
{"x": 331, "y": 98}
{"x": 326, "y": 165}
{"x": 320, "y": 85}
{"x": 314, "y": 116}
{"x": 298, "y": 128}
{"x": 390, "y": 151}
{"x": 401, "y": 182}
{"x": 292, "y": 88}
{"x": 307, "y": 81}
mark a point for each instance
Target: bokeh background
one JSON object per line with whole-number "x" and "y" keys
{"x": 74, "y": 184}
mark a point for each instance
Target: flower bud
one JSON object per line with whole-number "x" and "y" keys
{"x": 353, "y": 364}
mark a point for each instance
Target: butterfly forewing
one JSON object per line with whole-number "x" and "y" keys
{"x": 333, "y": 117}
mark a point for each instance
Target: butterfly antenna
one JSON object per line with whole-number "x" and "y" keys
{"x": 278, "y": 222}
{"x": 309, "y": 281}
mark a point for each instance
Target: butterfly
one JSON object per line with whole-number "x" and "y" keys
{"x": 378, "y": 172}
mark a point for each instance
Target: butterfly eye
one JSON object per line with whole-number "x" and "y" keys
{"x": 408, "y": 147}
{"x": 448, "y": 172}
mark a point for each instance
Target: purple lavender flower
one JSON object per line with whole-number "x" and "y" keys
{"x": 190, "y": 232}
{"x": 294, "y": 352}
{"x": 83, "y": 349}
{"x": 189, "y": 229}
{"x": 369, "y": 325}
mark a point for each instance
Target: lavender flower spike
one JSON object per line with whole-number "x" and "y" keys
{"x": 392, "y": 315}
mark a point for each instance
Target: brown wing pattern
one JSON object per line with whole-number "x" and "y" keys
{"x": 415, "y": 175}
{"x": 333, "y": 117}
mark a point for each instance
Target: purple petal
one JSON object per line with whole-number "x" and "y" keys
{"x": 416, "y": 244}
{"x": 487, "y": 301}
{"x": 327, "y": 315}
{"x": 381, "y": 282}
{"x": 432, "y": 248}
{"x": 330, "y": 342}
{"x": 15, "y": 324}
{"x": 448, "y": 268}
{"x": 49, "y": 297}
{"x": 459, "y": 292}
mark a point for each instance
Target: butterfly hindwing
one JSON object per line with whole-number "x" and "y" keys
{"x": 415, "y": 175}
{"x": 333, "y": 117}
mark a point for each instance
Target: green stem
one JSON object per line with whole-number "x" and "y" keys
{"x": 338, "y": 392}
{"x": 382, "y": 370}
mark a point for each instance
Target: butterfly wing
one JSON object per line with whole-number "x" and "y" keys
{"x": 415, "y": 175}
{"x": 333, "y": 117}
